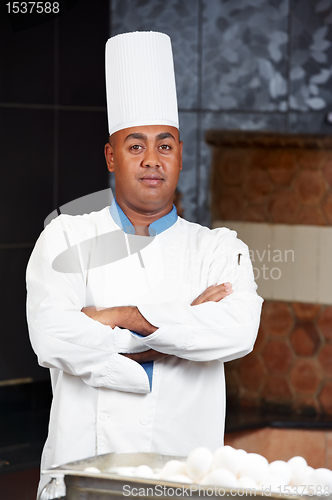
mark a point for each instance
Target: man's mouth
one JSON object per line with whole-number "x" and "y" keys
{"x": 152, "y": 179}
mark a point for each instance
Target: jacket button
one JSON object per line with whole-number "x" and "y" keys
{"x": 144, "y": 421}
{"x": 104, "y": 416}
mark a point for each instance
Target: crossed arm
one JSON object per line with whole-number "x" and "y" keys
{"x": 129, "y": 317}
{"x": 83, "y": 345}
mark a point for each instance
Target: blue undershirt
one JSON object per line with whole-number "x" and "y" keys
{"x": 156, "y": 227}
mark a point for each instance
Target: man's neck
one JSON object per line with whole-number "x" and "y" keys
{"x": 142, "y": 220}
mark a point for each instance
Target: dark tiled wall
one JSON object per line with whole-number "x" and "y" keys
{"x": 240, "y": 64}
{"x": 53, "y": 128}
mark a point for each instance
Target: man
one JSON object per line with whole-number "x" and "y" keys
{"x": 136, "y": 328}
{"x": 146, "y": 162}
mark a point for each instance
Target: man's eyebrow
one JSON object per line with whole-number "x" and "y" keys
{"x": 165, "y": 135}
{"x": 136, "y": 135}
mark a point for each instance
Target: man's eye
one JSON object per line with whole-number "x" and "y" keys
{"x": 136, "y": 147}
{"x": 165, "y": 146}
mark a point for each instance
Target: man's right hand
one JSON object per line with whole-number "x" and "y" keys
{"x": 213, "y": 293}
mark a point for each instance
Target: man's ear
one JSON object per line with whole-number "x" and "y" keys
{"x": 181, "y": 146}
{"x": 109, "y": 156}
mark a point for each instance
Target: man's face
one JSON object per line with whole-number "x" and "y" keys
{"x": 146, "y": 162}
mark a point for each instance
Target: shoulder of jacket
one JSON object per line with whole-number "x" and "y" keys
{"x": 219, "y": 235}
{"x": 76, "y": 223}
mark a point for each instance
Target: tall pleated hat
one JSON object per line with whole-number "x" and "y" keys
{"x": 140, "y": 81}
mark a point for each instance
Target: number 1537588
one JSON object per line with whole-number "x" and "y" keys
{"x": 33, "y": 7}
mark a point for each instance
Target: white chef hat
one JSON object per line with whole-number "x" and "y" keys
{"x": 140, "y": 81}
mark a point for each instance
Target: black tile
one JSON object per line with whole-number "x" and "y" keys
{"x": 26, "y": 397}
{"x": 244, "y": 52}
{"x": 82, "y": 166}
{"x": 83, "y": 33}
{"x": 311, "y": 56}
{"x": 26, "y": 145}
{"x": 27, "y": 65}
{"x": 24, "y": 414}
{"x": 179, "y": 20}
{"x": 5, "y": 27}
{"x": 17, "y": 359}
{"x": 188, "y": 176}
{"x": 309, "y": 123}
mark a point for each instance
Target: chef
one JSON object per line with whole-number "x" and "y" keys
{"x": 136, "y": 324}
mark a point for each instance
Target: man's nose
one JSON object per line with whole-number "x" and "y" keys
{"x": 151, "y": 158}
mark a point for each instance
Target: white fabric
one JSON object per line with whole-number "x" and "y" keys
{"x": 140, "y": 81}
{"x": 102, "y": 400}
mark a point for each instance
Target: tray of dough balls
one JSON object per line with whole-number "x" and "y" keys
{"x": 226, "y": 472}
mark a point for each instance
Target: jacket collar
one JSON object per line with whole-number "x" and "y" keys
{"x": 156, "y": 227}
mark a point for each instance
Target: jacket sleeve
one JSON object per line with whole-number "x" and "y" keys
{"x": 65, "y": 338}
{"x": 223, "y": 330}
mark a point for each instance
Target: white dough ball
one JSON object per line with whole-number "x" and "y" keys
{"x": 272, "y": 482}
{"x": 180, "y": 478}
{"x": 173, "y": 467}
{"x": 92, "y": 470}
{"x": 227, "y": 458}
{"x": 301, "y": 475}
{"x": 221, "y": 451}
{"x": 282, "y": 469}
{"x": 321, "y": 477}
{"x": 241, "y": 454}
{"x": 122, "y": 471}
{"x": 241, "y": 457}
{"x": 199, "y": 463}
{"x": 297, "y": 462}
{"x": 255, "y": 466}
{"x": 144, "y": 471}
{"x": 247, "y": 482}
{"x": 220, "y": 477}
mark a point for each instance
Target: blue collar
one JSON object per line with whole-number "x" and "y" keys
{"x": 156, "y": 227}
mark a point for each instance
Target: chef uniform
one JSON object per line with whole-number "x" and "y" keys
{"x": 103, "y": 401}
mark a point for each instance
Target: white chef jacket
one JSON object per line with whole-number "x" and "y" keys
{"x": 102, "y": 400}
